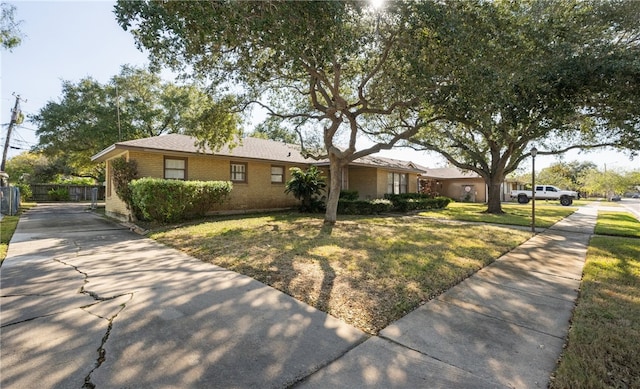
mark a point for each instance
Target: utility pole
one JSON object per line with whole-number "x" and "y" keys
{"x": 14, "y": 119}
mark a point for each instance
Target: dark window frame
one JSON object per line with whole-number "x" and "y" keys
{"x": 396, "y": 183}
{"x": 282, "y": 175}
{"x": 232, "y": 173}
{"x": 185, "y": 170}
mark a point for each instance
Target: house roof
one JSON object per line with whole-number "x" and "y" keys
{"x": 248, "y": 147}
{"x": 253, "y": 148}
{"x": 449, "y": 173}
{"x": 389, "y": 163}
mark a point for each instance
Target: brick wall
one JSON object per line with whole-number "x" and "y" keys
{"x": 365, "y": 181}
{"x": 258, "y": 192}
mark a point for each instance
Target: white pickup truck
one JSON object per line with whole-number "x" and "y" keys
{"x": 546, "y": 192}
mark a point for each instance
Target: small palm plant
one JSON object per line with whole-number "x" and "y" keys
{"x": 305, "y": 186}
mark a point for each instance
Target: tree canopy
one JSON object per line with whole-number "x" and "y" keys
{"x": 557, "y": 75}
{"x": 609, "y": 182}
{"x": 479, "y": 82}
{"x": 331, "y": 72}
{"x": 10, "y": 35}
{"x": 30, "y": 168}
{"x": 134, "y": 104}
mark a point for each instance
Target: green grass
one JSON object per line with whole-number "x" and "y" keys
{"x": 604, "y": 338}
{"x": 617, "y": 223}
{"x": 547, "y": 214}
{"x": 368, "y": 271}
{"x": 8, "y": 227}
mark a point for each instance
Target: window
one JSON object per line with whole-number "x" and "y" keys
{"x": 175, "y": 168}
{"x": 238, "y": 172}
{"x": 397, "y": 183}
{"x": 277, "y": 174}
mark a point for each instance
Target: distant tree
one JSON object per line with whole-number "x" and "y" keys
{"x": 30, "y": 168}
{"x": 333, "y": 72}
{"x": 565, "y": 174}
{"x": 604, "y": 183}
{"x": 556, "y": 74}
{"x": 271, "y": 129}
{"x": 10, "y": 35}
{"x": 137, "y": 103}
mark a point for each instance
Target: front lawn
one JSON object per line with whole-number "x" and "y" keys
{"x": 547, "y": 213}
{"x": 368, "y": 271}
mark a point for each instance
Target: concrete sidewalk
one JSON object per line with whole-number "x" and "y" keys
{"x": 504, "y": 327}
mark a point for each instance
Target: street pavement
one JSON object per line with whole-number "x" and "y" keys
{"x": 87, "y": 303}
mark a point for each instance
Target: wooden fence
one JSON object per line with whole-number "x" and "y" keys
{"x": 76, "y": 192}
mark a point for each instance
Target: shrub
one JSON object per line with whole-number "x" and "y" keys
{"x": 25, "y": 191}
{"x": 169, "y": 201}
{"x": 407, "y": 202}
{"x": 307, "y": 186}
{"x": 349, "y": 195}
{"x": 363, "y": 207}
{"x": 123, "y": 173}
{"x": 60, "y": 194}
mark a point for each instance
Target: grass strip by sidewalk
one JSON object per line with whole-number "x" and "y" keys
{"x": 547, "y": 214}
{"x": 617, "y": 224}
{"x": 368, "y": 271}
{"x": 8, "y": 226}
{"x": 604, "y": 338}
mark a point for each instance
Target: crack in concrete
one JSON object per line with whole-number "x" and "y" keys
{"x": 28, "y": 295}
{"x": 101, "y": 349}
{"x": 102, "y": 352}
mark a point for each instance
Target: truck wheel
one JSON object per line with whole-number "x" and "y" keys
{"x": 566, "y": 201}
{"x": 523, "y": 199}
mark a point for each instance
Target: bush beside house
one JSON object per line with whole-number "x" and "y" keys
{"x": 169, "y": 201}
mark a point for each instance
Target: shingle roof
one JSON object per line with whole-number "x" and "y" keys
{"x": 390, "y": 163}
{"x": 251, "y": 148}
{"x": 449, "y": 172}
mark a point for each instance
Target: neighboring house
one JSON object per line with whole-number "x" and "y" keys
{"x": 466, "y": 186}
{"x": 258, "y": 169}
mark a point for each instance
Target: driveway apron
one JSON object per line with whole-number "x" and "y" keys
{"x": 86, "y": 303}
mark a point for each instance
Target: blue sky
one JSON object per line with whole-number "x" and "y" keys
{"x": 70, "y": 40}
{"x": 64, "y": 40}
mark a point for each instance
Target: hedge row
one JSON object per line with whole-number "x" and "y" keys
{"x": 406, "y": 205}
{"x": 405, "y": 202}
{"x": 363, "y": 207}
{"x": 170, "y": 201}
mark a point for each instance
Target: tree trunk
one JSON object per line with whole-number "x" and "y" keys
{"x": 335, "y": 172}
{"x": 494, "y": 204}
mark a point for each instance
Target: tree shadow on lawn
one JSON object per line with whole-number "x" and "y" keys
{"x": 368, "y": 272}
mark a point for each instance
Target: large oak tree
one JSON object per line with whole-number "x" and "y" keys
{"x": 137, "y": 103}
{"x": 558, "y": 75}
{"x": 333, "y": 72}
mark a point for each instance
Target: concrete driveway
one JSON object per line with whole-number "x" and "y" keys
{"x": 87, "y": 303}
